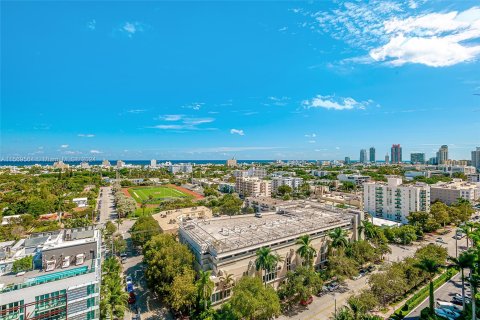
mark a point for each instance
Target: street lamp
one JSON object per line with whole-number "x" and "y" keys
{"x": 335, "y": 299}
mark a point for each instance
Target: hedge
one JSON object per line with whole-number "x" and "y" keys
{"x": 422, "y": 294}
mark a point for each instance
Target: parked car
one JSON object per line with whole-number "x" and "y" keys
{"x": 457, "y": 299}
{"x": 123, "y": 257}
{"x": 440, "y": 239}
{"x": 371, "y": 268}
{"x": 447, "y": 305}
{"x": 306, "y": 302}
{"x": 132, "y": 298}
{"x": 447, "y": 313}
{"x": 357, "y": 276}
{"x": 129, "y": 287}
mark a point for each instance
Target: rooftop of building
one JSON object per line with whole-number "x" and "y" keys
{"x": 456, "y": 184}
{"x": 36, "y": 245}
{"x": 170, "y": 219}
{"x": 226, "y": 234}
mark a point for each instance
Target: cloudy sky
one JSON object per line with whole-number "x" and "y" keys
{"x": 255, "y": 80}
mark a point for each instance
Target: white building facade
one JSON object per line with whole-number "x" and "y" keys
{"x": 253, "y": 187}
{"x": 292, "y": 182}
{"x": 394, "y": 201}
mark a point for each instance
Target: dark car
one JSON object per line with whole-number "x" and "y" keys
{"x": 132, "y": 298}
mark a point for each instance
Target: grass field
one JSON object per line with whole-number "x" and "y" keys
{"x": 155, "y": 194}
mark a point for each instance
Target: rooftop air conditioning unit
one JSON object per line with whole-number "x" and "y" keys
{"x": 79, "y": 259}
{"x": 50, "y": 265}
{"x": 66, "y": 262}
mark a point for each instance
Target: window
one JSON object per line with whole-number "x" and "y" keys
{"x": 288, "y": 262}
{"x": 272, "y": 275}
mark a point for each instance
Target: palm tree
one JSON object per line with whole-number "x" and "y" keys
{"x": 465, "y": 260}
{"x": 226, "y": 282}
{"x": 306, "y": 251}
{"x": 204, "y": 287}
{"x": 266, "y": 261}
{"x": 143, "y": 206}
{"x": 369, "y": 229}
{"x": 338, "y": 238}
{"x": 111, "y": 266}
{"x": 467, "y": 229}
{"x": 431, "y": 267}
{"x": 358, "y": 310}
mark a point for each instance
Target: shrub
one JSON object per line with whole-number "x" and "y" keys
{"x": 23, "y": 264}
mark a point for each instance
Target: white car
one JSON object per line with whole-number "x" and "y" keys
{"x": 446, "y": 313}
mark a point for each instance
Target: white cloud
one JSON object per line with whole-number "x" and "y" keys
{"x": 131, "y": 28}
{"x": 397, "y": 32}
{"x": 172, "y": 117}
{"x": 197, "y": 121}
{"x": 330, "y": 102}
{"x": 313, "y": 135}
{"x": 312, "y": 141}
{"x": 136, "y": 111}
{"x": 92, "y": 24}
{"x": 194, "y": 106}
{"x": 237, "y": 131}
{"x": 86, "y": 135}
{"x": 434, "y": 39}
{"x": 277, "y": 101}
{"x": 95, "y": 151}
{"x": 234, "y": 149}
{"x": 283, "y": 29}
{"x": 64, "y": 146}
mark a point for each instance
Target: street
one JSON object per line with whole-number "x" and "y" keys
{"x": 105, "y": 205}
{"x": 444, "y": 293}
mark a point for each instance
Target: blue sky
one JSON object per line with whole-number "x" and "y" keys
{"x": 255, "y": 80}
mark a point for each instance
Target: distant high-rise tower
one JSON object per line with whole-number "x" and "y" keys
{"x": 363, "y": 156}
{"x": 396, "y": 153}
{"x": 153, "y": 163}
{"x": 442, "y": 154}
{"x": 347, "y": 160}
{"x": 387, "y": 159}
{"x": 476, "y": 158}
{"x": 417, "y": 158}
{"x": 372, "y": 154}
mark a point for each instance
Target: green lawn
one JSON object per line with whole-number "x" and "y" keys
{"x": 155, "y": 194}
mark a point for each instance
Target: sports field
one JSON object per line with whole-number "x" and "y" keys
{"x": 156, "y": 194}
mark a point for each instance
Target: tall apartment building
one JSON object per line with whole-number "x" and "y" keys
{"x": 442, "y": 154}
{"x": 253, "y": 187}
{"x": 387, "y": 159}
{"x": 106, "y": 163}
{"x": 347, "y": 160}
{"x": 153, "y": 163}
{"x": 257, "y": 172}
{"x": 363, "y": 156}
{"x": 372, "y": 154}
{"x": 476, "y": 158}
{"x": 292, "y": 182}
{"x": 120, "y": 164}
{"x": 394, "y": 201}
{"x": 63, "y": 282}
{"x": 450, "y": 192}
{"x": 417, "y": 158}
{"x": 396, "y": 154}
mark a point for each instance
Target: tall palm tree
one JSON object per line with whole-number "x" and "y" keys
{"x": 266, "y": 261}
{"x": 358, "y": 310}
{"x": 306, "y": 251}
{"x": 431, "y": 267}
{"x": 338, "y": 238}
{"x": 467, "y": 229}
{"x": 111, "y": 266}
{"x": 226, "y": 282}
{"x": 204, "y": 287}
{"x": 465, "y": 260}
{"x": 369, "y": 229}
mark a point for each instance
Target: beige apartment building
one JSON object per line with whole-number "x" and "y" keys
{"x": 450, "y": 192}
{"x": 253, "y": 187}
{"x": 228, "y": 245}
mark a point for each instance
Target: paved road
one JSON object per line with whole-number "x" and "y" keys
{"x": 444, "y": 293}
{"x": 105, "y": 205}
{"x": 147, "y": 303}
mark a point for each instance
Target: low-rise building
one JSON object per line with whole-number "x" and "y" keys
{"x": 475, "y": 177}
{"x": 355, "y": 178}
{"x": 180, "y": 168}
{"x": 450, "y": 192}
{"x": 232, "y": 162}
{"x": 228, "y": 245}
{"x": 292, "y": 182}
{"x": 63, "y": 281}
{"x": 253, "y": 187}
{"x": 80, "y": 202}
{"x": 393, "y": 200}
{"x": 170, "y": 219}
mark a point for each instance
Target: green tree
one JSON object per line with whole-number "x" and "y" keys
{"x": 226, "y": 282}
{"x": 306, "y": 251}
{"x": 144, "y": 229}
{"x": 338, "y": 238}
{"x": 341, "y": 266}
{"x": 266, "y": 260}
{"x": 284, "y": 190}
{"x": 110, "y": 228}
{"x": 431, "y": 267}
{"x": 362, "y": 252}
{"x": 439, "y": 212}
{"x": 205, "y": 288}
{"x": 165, "y": 258}
{"x": 299, "y": 285}
{"x": 23, "y": 264}
{"x": 252, "y": 301}
{"x": 183, "y": 292}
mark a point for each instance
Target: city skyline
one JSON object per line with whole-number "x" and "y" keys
{"x": 251, "y": 81}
